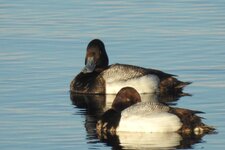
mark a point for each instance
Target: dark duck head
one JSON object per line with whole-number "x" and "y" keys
{"x": 126, "y": 97}
{"x": 96, "y": 57}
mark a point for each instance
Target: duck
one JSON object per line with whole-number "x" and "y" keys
{"x": 98, "y": 77}
{"x": 129, "y": 114}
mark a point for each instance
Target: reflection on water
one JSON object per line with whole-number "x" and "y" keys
{"x": 103, "y": 102}
{"x": 96, "y": 105}
{"x": 128, "y": 140}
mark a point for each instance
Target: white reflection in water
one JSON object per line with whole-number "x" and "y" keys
{"x": 149, "y": 140}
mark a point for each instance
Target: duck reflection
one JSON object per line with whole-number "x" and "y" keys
{"x": 96, "y": 105}
{"x": 90, "y": 102}
{"x": 138, "y": 140}
{"x": 104, "y": 102}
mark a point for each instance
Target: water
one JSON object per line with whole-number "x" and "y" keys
{"x": 42, "y": 47}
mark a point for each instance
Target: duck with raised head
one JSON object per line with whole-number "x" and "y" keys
{"x": 129, "y": 114}
{"x": 98, "y": 77}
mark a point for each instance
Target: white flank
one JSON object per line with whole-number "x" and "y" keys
{"x": 150, "y": 122}
{"x": 145, "y": 84}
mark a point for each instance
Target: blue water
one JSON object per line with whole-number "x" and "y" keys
{"x": 42, "y": 48}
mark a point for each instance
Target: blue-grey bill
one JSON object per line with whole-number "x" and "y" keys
{"x": 90, "y": 65}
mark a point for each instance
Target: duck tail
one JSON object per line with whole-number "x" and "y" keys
{"x": 172, "y": 85}
{"x": 181, "y": 85}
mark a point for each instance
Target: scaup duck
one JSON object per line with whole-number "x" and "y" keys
{"x": 98, "y": 77}
{"x": 130, "y": 115}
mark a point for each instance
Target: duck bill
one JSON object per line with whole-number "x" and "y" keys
{"x": 90, "y": 65}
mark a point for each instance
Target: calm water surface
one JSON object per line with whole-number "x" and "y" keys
{"x": 42, "y": 47}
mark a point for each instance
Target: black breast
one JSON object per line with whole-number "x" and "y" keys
{"x": 90, "y": 83}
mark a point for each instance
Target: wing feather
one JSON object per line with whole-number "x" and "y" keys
{"x": 127, "y": 72}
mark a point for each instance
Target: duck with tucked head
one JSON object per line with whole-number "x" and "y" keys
{"x": 129, "y": 114}
{"x": 98, "y": 77}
